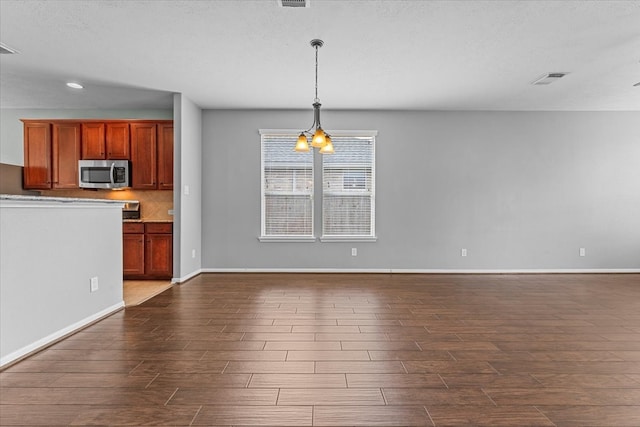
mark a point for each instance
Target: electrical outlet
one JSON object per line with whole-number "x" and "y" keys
{"x": 354, "y": 251}
{"x": 583, "y": 252}
{"x": 187, "y": 190}
{"x": 94, "y": 284}
{"x": 463, "y": 252}
{"x": 193, "y": 253}
{"x": 170, "y": 212}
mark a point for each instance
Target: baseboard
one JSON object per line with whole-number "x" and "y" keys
{"x": 425, "y": 271}
{"x": 187, "y": 277}
{"x": 49, "y": 339}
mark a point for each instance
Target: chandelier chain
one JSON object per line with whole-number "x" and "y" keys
{"x": 316, "y": 73}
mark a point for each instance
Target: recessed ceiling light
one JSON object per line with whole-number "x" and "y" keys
{"x": 637, "y": 84}
{"x": 293, "y": 3}
{"x": 548, "y": 78}
{"x": 74, "y": 85}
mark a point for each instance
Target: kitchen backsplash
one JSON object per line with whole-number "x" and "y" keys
{"x": 154, "y": 204}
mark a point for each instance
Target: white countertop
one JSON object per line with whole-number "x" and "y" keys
{"x": 16, "y": 199}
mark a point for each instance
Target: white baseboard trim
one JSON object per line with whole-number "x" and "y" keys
{"x": 187, "y": 277}
{"x": 424, "y": 271}
{"x": 43, "y": 342}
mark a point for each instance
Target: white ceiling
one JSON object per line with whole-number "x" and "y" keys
{"x": 424, "y": 55}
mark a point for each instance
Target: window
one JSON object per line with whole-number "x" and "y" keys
{"x": 287, "y": 189}
{"x": 348, "y": 188}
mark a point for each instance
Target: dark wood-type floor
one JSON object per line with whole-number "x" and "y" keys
{"x": 327, "y": 350}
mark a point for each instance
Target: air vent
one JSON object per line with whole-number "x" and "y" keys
{"x": 293, "y": 3}
{"x": 547, "y": 79}
{"x": 6, "y": 50}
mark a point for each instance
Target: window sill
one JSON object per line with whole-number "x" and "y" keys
{"x": 347, "y": 239}
{"x": 279, "y": 239}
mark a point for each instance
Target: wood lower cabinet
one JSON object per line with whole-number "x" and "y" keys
{"x": 133, "y": 249}
{"x": 147, "y": 250}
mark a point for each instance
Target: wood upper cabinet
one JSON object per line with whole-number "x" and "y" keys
{"x": 143, "y": 155}
{"x": 165, "y": 156}
{"x": 37, "y": 156}
{"x": 93, "y": 141}
{"x": 117, "y": 141}
{"x": 65, "y": 155}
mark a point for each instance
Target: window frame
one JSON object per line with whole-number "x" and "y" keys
{"x": 299, "y": 238}
{"x": 371, "y": 237}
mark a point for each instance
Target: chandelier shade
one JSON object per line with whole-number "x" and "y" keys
{"x": 319, "y": 138}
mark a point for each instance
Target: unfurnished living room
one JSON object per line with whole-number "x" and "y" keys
{"x": 320, "y": 213}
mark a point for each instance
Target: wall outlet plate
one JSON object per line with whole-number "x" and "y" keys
{"x": 463, "y": 252}
{"x": 94, "y": 284}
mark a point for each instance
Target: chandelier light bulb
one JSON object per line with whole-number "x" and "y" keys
{"x": 302, "y": 146}
{"x": 328, "y": 148}
{"x": 319, "y": 139}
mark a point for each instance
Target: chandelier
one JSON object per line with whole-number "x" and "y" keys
{"x": 319, "y": 138}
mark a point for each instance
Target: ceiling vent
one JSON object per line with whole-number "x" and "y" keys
{"x": 6, "y": 50}
{"x": 547, "y": 79}
{"x": 293, "y": 3}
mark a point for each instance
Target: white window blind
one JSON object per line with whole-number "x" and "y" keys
{"x": 348, "y": 188}
{"x": 287, "y": 188}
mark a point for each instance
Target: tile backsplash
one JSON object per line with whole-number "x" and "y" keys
{"x": 154, "y": 204}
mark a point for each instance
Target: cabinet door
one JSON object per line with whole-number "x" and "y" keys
{"x": 66, "y": 153}
{"x": 37, "y": 156}
{"x": 133, "y": 254}
{"x": 158, "y": 254}
{"x": 117, "y": 141}
{"x": 93, "y": 142}
{"x": 165, "y": 156}
{"x": 143, "y": 155}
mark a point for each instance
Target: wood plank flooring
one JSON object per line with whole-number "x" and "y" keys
{"x": 348, "y": 350}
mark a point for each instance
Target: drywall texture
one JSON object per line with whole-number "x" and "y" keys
{"x": 518, "y": 190}
{"x": 11, "y": 131}
{"x": 47, "y": 260}
{"x": 187, "y": 191}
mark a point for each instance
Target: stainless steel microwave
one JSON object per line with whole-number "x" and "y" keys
{"x": 104, "y": 174}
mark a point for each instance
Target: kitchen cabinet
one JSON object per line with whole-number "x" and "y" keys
{"x": 143, "y": 156}
{"x": 105, "y": 141}
{"x": 158, "y": 249}
{"x": 52, "y": 148}
{"x": 165, "y": 156}
{"x": 93, "y": 137}
{"x": 117, "y": 141}
{"x": 152, "y": 156}
{"x": 148, "y": 250}
{"x": 133, "y": 249}
{"x": 37, "y": 155}
{"x": 65, "y": 155}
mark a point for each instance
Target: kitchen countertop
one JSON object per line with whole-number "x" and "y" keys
{"x": 147, "y": 220}
{"x": 58, "y": 200}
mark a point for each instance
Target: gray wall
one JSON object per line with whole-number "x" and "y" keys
{"x": 519, "y": 190}
{"x": 187, "y": 172}
{"x": 11, "y": 135}
{"x": 47, "y": 259}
